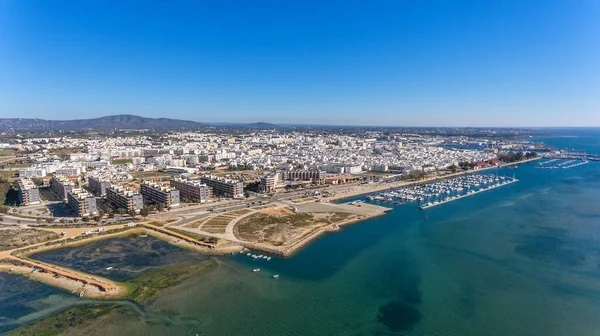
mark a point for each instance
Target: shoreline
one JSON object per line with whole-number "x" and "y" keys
{"x": 117, "y": 290}
{"x": 368, "y": 189}
{"x": 309, "y": 237}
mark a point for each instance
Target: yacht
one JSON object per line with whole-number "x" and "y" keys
{"x": 256, "y": 270}
{"x": 276, "y": 276}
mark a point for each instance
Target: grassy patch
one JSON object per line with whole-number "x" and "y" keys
{"x": 72, "y": 317}
{"x": 121, "y": 161}
{"x": 7, "y": 152}
{"x": 144, "y": 287}
{"x": 10, "y": 239}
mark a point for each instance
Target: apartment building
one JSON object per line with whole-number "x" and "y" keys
{"x": 98, "y": 186}
{"x": 70, "y": 171}
{"x": 32, "y": 172}
{"x": 122, "y": 198}
{"x": 192, "y": 190}
{"x": 268, "y": 182}
{"x": 82, "y": 202}
{"x": 224, "y": 187}
{"x": 28, "y": 192}
{"x": 61, "y": 185}
{"x": 317, "y": 176}
{"x": 157, "y": 193}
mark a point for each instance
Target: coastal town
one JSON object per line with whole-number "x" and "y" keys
{"x": 265, "y": 193}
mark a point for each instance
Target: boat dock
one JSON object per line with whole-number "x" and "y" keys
{"x": 470, "y": 193}
{"x": 557, "y": 164}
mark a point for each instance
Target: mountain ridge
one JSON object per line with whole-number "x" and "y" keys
{"x": 112, "y": 122}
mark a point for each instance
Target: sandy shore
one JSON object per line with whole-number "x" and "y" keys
{"x": 72, "y": 286}
{"x": 364, "y": 189}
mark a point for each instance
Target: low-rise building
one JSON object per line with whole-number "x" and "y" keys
{"x": 122, "y": 198}
{"x": 192, "y": 190}
{"x": 32, "y": 172}
{"x": 224, "y": 187}
{"x": 82, "y": 202}
{"x": 28, "y": 192}
{"x": 61, "y": 186}
{"x": 157, "y": 193}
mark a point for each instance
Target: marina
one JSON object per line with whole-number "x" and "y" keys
{"x": 562, "y": 164}
{"x": 443, "y": 191}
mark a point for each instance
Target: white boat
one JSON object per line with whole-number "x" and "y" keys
{"x": 248, "y": 254}
{"x": 265, "y": 257}
{"x": 81, "y": 294}
{"x": 256, "y": 270}
{"x": 269, "y": 258}
{"x": 109, "y": 268}
{"x": 276, "y": 276}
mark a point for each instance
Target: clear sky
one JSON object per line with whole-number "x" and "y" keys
{"x": 405, "y": 63}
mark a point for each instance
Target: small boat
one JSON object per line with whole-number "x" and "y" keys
{"x": 144, "y": 236}
{"x": 109, "y": 268}
{"x": 275, "y": 276}
{"x": 81, "y": 294}
{"x": 248, "y": 254}
{"x": 265, "y": 257}
{"x": 269, "y": 258}
{"x": 256, "y": 270}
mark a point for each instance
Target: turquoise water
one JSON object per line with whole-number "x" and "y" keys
{"x": 23, "y": 300}
{"x": 523, "y": 259}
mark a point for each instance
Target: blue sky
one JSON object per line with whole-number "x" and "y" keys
{"x": 406, "y": 63}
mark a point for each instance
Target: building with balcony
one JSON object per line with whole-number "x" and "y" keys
{"x": 98, "y": 186}
{"x": 224, "y": 187}
{"x": 192, "y": 190}
{"x": 82, "y": 202}
{"x": 28, "y": 192}
{"x": 61, "y": 186}
{"x": 155, "y": 193}
{"x": 123, "y": 198}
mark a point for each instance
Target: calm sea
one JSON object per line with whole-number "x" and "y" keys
{"x": 519, "y": 260}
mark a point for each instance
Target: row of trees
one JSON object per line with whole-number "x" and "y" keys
{"x": 516, "y": 156}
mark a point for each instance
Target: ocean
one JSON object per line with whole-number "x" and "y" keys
{"x": 523, "y": 259}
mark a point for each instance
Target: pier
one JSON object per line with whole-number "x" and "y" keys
{"x": 557, "y": 164}
{"x": 470, "y": 193}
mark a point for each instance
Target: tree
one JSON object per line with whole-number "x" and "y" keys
{"x": 145, "y": 212}
{"x": 100, "y": 213}
{"x": 453, "y": 168}
{"x": 75, "y": 220}
{"x": 4, "y": 209}
{"x": 1, "y": 219}
{"x": 49, "y": 220}
{"x": 38, "y": 220}
{"x": 160, "y": 207}
{"x": 132, "y": 213}
{"x": 85, "y": 219}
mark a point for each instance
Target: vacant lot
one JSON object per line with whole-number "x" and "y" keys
{"x": 14, "y": 238}
{"x": 281, "y": 226}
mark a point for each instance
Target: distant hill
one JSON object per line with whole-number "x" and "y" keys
{"x": 115, "y": 122}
